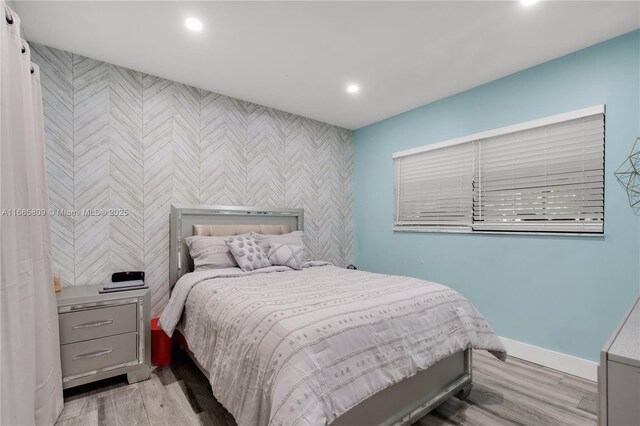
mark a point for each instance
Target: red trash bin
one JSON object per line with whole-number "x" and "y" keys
{"x": 161, "y": 345}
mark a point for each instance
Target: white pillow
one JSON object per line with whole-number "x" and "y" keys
{"x": 248, "y": 253}
{"x": 210, "y": 252}
{"x": 290, "y": 255}
{"x": 292, "y": 238}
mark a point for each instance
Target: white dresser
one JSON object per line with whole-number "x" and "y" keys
{"x": 103, "y": 335}
{"x": 619, "y": 373}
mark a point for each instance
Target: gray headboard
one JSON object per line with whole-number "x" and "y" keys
{"x": 183, "y": 217}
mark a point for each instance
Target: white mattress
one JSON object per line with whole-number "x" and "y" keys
{"x": 303, "y": 347}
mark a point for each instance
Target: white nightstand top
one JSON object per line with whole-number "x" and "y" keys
{"x": 626, "y": 347}
{"x": 81, "y": 294}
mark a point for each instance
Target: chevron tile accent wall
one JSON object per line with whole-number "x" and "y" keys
{"x": 223, "y": 150}
{"x": 57, "y": 98}
{"x": 121, "y": 139}
{"x": 171, "y": 136}
{"x": 91, "y": 160}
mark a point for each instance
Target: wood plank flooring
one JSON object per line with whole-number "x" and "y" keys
{"x": 511, "y": 393}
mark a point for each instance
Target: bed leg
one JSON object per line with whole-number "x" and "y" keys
{"x": 464, "y": 392}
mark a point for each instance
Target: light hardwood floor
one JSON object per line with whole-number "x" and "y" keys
{"x": 515, "y": 392}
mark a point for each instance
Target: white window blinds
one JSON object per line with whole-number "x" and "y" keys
{"x": 546, "y": 179}
{"x": 542, "y": 176}
{"x": 434, "y": 189}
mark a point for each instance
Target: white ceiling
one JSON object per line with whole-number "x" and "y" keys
{"x": 299, "y": 56}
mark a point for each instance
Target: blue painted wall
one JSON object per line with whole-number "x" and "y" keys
{"x": 561, "y": 293}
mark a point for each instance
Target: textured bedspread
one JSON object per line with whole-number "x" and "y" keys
{"x": 303, "y": 347}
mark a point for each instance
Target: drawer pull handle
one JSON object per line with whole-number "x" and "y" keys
{"x": 93, "y": 354}
{"x": 93, "y": 324}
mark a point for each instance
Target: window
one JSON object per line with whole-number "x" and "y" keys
{"x": 544, "y": 176}
{"x": 434, "y": 189}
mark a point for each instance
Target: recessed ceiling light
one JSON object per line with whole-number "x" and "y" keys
{"x": 353, "y": 88}
{"x": 528, "y": 2}
{"x": 193, "y": 24}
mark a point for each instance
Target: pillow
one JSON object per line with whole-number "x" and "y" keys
{"x": 292, "y": 238}
{"x": 248, "y": 253}
{"x": 210, "y": 252}
{"x": 289, "y": 255}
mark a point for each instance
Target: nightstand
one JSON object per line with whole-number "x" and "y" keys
{"x": 619, "y": 373}
{"x": 103, "y": 335}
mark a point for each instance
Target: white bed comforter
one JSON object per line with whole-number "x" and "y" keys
{"x": 303, "y": 347}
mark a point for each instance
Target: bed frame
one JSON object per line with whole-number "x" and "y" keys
{"x": 401, "y": 404}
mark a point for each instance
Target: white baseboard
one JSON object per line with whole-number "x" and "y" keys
{"x": 558, "y": 361}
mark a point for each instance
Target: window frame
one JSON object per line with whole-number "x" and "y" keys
{"x": 477, "y": 137}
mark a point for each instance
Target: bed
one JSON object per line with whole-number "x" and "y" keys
{"x": 324, "y": 345}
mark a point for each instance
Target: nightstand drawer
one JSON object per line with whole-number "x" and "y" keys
{"x": 96, "y": 354}
{"x": 96, "y": 323}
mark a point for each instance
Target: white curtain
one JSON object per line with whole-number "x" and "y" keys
{"x": 31, "y": 390}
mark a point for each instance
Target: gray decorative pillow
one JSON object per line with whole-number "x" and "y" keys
{"x": 248, "y": 253}
{"x": 289, "y": 255}
{"x": 295, "y": 238}
{"x": 210, "y": 253}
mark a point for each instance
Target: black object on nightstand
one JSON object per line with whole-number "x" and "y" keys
{"x": 127, "y": 276}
